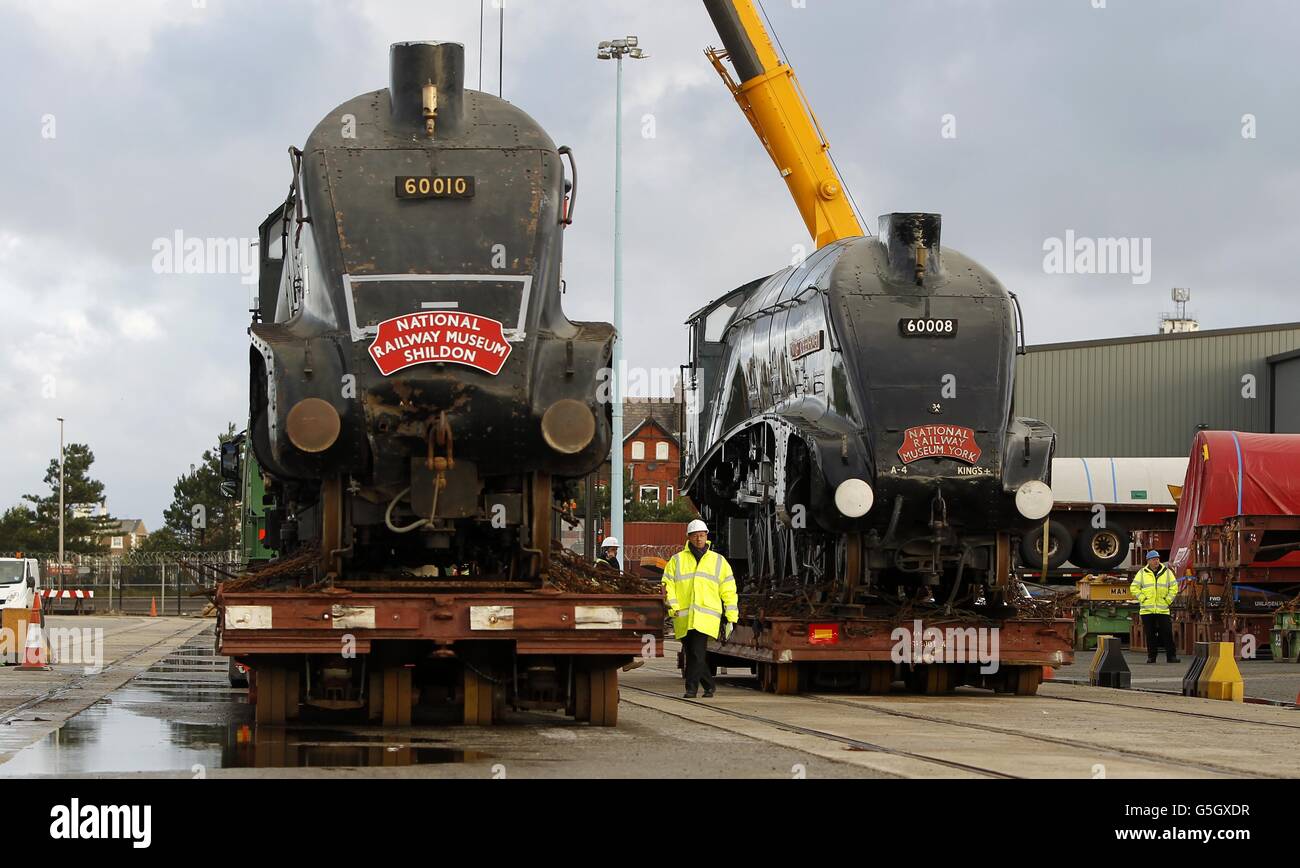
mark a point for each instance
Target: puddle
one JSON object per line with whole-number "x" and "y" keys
{"x": 161, "y": 723}
{"x": 137, "y": 730}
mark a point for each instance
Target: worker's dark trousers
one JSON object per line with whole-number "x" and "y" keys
{"x": 1159, "y": 631}
{"x": 697, "y": 670}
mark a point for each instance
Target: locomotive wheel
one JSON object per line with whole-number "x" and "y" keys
{"x": 478, "y": 699}
{"x": 277, "y": 695}
{"x": 1058, "y": 547}
{"x": 1101, "y": 548}
{"x": 582, "y": 695}
{"x": 331, "y": 514}
{"x": 604, "y": 697}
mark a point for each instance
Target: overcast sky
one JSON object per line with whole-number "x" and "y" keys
{"x": 1018, "y": 120}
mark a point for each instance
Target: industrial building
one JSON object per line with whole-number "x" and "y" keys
{"x": 1148, "y": 396}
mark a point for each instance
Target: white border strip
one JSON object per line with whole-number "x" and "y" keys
{"x": 512, "y": 335}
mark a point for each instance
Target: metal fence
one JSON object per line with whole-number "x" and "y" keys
{"x": 173, "y": 583}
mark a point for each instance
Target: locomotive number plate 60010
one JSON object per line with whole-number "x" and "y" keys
{"x": 927, "y": 328}
{"x": 435, "y": 187}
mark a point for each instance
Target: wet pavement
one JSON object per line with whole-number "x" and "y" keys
{"x": 182, "y": 715}
{"x": 179, "y": 718}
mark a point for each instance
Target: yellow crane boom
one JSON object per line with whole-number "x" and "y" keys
{"x": 769, "y": 94}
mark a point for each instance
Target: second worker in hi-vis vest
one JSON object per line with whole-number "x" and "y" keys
{"x": 1154, "y": 587}
{"x": 700, "y": 592}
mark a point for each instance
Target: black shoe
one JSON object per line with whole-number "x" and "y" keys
{"x": 1152, "y": 660}
{"x": 690, "y": 696}
{"x": 708, "y": 694}
{"x": 1173, "y": 660}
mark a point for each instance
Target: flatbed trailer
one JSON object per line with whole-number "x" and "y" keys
{"x": 861, "y": 652}
{"x": 381, "y": 652}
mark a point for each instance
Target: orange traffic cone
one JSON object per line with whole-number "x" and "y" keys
{"x": 34, "y": 657}
{"x": 153, "y": 607}
{"x": 1048, "y": 673}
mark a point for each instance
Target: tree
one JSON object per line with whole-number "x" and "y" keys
{"x": 200, "y": 517}
{"x": 80, "y": 534}
{"x": 17, "y": 530}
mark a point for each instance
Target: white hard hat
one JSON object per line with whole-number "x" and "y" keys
{"x": 696, "y": 526}
{"x": 609, "y": 542}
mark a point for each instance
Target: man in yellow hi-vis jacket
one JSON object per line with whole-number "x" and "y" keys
{"x": 700, "y": 591}
{"x": 1154, "y": 587}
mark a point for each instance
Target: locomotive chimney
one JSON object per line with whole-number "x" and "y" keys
{"x": 427, "y": 86}
{"x": 912, "y": 244}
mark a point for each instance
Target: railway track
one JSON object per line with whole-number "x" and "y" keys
{"x": 851, "y": 743}
{"x": 1097, "y": 739}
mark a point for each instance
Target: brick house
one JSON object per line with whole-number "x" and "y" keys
{"x": 651, "y": 449}
{"x": 125, "y": 535}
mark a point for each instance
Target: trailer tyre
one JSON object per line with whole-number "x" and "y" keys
{"x": 1059, "y": 545}
{"x": 1102, "y": 548}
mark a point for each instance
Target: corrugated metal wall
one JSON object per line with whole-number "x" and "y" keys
{"x": 1286, "y": 388}
{"x": 1145, "y": 398}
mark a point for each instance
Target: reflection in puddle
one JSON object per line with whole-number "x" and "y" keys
{"x": 194, "y": 725}
{"x": 272, "y": 747}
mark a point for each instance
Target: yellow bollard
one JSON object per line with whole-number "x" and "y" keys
{"x": 1221, "y": 679}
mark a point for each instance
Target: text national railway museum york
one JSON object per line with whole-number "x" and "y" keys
{"x": 939, "y": 441}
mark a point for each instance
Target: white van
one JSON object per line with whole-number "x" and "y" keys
{"x": 20, "y": 579}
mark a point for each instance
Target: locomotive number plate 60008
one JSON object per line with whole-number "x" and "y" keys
{"x": 435, "y": 187}
{"x": 927, "y": 328}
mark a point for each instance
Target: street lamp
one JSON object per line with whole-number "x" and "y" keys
{"x": 60, "y": 501}
{"x": 616, "y": 50}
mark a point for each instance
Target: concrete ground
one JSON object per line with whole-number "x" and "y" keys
{"x": 1264, "y": 679}
{"x": 35, "y": 704}
{"x": 178, "y": 717}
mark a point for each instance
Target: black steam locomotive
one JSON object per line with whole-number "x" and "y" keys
{"x": 851, "y": 422}
{"x": 417, "y": 393}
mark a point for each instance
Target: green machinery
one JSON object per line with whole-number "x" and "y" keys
{"x": 242, "y": 479}
{"x": 1286, "y": 636}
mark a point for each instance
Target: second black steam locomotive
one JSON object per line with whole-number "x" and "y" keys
{"x": 852, "y": 421}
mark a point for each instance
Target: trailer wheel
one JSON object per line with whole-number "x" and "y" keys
{"x": 1058, "y": 547}
{"x": 582, "y": 695}
{"x": 876, "y": 677}
{"x": 1022, "y": 680}
{"x": 1102, "y": 548}
{"x": 277, "y": 695}
{"x": 604, "y": 697}
{"x": 478, "y": 699}
{"x": 930, "y": 679}
{"x": 779, "y": 678}
{"x": 397, "y": 696}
